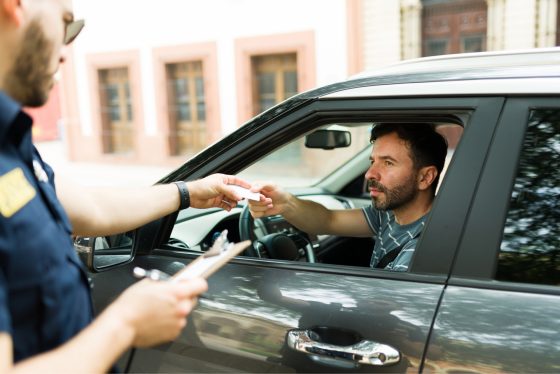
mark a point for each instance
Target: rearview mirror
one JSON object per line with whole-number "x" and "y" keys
{"x": 103, "y": 252}
{"x": 328, "y": 139}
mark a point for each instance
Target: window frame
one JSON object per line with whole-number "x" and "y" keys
{"x": 189, "y": 72}
{"x": 477, "y": 257}
{"x": 118, "y": 77}
{"x": 276, "y": 64}
{"x": 456, "y": 197}
{"x": 454, "y": 30}
{"x": 207, "y": 54}
{"x": 106, "y": 61}
{"x": 301, "y": 43}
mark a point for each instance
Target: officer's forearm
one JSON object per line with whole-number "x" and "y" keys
{"x": 106, "y": 211}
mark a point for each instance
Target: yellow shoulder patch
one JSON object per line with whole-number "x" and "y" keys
{"x": 15, "y": 192}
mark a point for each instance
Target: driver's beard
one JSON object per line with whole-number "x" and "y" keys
{"x": 29, "y": 80}
{"x": 397, "y": 196}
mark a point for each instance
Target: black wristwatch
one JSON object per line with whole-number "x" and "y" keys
{"x": 184, "y": 195}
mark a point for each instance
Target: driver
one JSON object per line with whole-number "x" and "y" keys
{"x": 406, "y": 162}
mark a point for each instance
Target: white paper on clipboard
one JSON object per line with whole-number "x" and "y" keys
{"x": 204, "y": 266}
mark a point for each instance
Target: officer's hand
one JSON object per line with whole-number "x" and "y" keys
{"x": 156, "y": 311}
{"x": 213, "y": 191}
{"x": 273, "y": 200}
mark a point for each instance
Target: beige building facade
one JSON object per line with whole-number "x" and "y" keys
{"x": 155, "y": 82}
{"x": 386, "y": 32}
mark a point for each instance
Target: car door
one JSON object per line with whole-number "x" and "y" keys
{"x": 500, "y": 310}
{"x": 256, "y": 312}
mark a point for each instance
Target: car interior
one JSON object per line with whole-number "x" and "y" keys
{"x": 326, "y": 165}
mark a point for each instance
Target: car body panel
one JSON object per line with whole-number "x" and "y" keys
{"x": 448, "y": 309}
{"x": 518, "y": 86}
{"x": 377, "y": 300}
{"x": 495, "y": 331}
{"x": 488, "y": 326}
{"x": 249, "y": 308}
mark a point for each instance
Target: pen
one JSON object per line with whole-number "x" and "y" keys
{"x": 158, "y": 275}
{"x": 153, "y": 274}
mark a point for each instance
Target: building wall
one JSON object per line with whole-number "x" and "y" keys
{"x": 332, "y": 39}
{"x": 520, "y": 19}
{"x": 382, "y": 42}
{"x": 389, "y": 30}
{"x": 46, "y": 118}
{"x": 133, "y": 31}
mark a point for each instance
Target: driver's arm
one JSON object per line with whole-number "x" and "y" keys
{"x": 308, "y": 216}
{"x": 314, "y": 218}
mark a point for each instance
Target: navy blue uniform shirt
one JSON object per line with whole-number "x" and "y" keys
{"x": 44, "y": 291}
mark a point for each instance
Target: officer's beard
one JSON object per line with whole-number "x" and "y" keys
{"x": 29, "y": 81}
{"x": 396, "y": 197}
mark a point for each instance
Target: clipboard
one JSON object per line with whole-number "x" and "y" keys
{"x": 210, "y": 261}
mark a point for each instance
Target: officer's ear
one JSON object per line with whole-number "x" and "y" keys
{"x": 12, "y": 11}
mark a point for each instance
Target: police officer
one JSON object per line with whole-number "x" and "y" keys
{"x": 45, "y": 308}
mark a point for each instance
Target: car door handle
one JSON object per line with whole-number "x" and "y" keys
{"x": 364, "y": 352}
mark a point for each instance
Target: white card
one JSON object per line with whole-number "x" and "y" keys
{"x": 245, "y": 193}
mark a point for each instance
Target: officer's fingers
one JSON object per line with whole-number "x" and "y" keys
{"x": 190, "y": 288}
{"x": 228, "y": 193}
{"x": 185, "y": 306}
{"x": 232, "y": 179}
{"x": 226, "y": 205}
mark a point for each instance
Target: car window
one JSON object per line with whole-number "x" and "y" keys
{"x": 295, "y": 165}
{"x": 530, "y": 248}
{"x": 316, "y": 172}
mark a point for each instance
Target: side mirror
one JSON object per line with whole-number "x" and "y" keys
{"x": 328, "y": 139}
{"x": 104, "y": 252}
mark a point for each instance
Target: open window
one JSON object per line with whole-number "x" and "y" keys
{"x": 326, "y": 163}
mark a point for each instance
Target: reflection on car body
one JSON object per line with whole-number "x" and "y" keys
{"x": 481, "y": 294}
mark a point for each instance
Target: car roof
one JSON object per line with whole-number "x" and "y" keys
{"x": 511, "y": 72}
{"x": 470, "y": 65}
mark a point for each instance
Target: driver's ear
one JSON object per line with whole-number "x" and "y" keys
{"x": 426, "y": 176}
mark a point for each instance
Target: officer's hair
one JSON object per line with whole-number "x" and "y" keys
{"x": 427, "y": 147}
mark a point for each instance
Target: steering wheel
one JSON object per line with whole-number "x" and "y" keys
{"x": 246, "y": 223}
{"x": 293, "y": 246}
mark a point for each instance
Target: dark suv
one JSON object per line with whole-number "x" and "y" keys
{"x": 482, "y": 292}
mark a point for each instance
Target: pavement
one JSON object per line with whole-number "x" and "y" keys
{"x": 98, "y": 174}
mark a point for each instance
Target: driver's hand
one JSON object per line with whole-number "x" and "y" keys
{"x": 273, "y": 200}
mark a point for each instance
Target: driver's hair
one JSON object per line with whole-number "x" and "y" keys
{"x": 427, "y": 146}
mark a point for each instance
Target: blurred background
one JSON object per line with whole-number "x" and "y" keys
{"x": 148, "y": 83}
